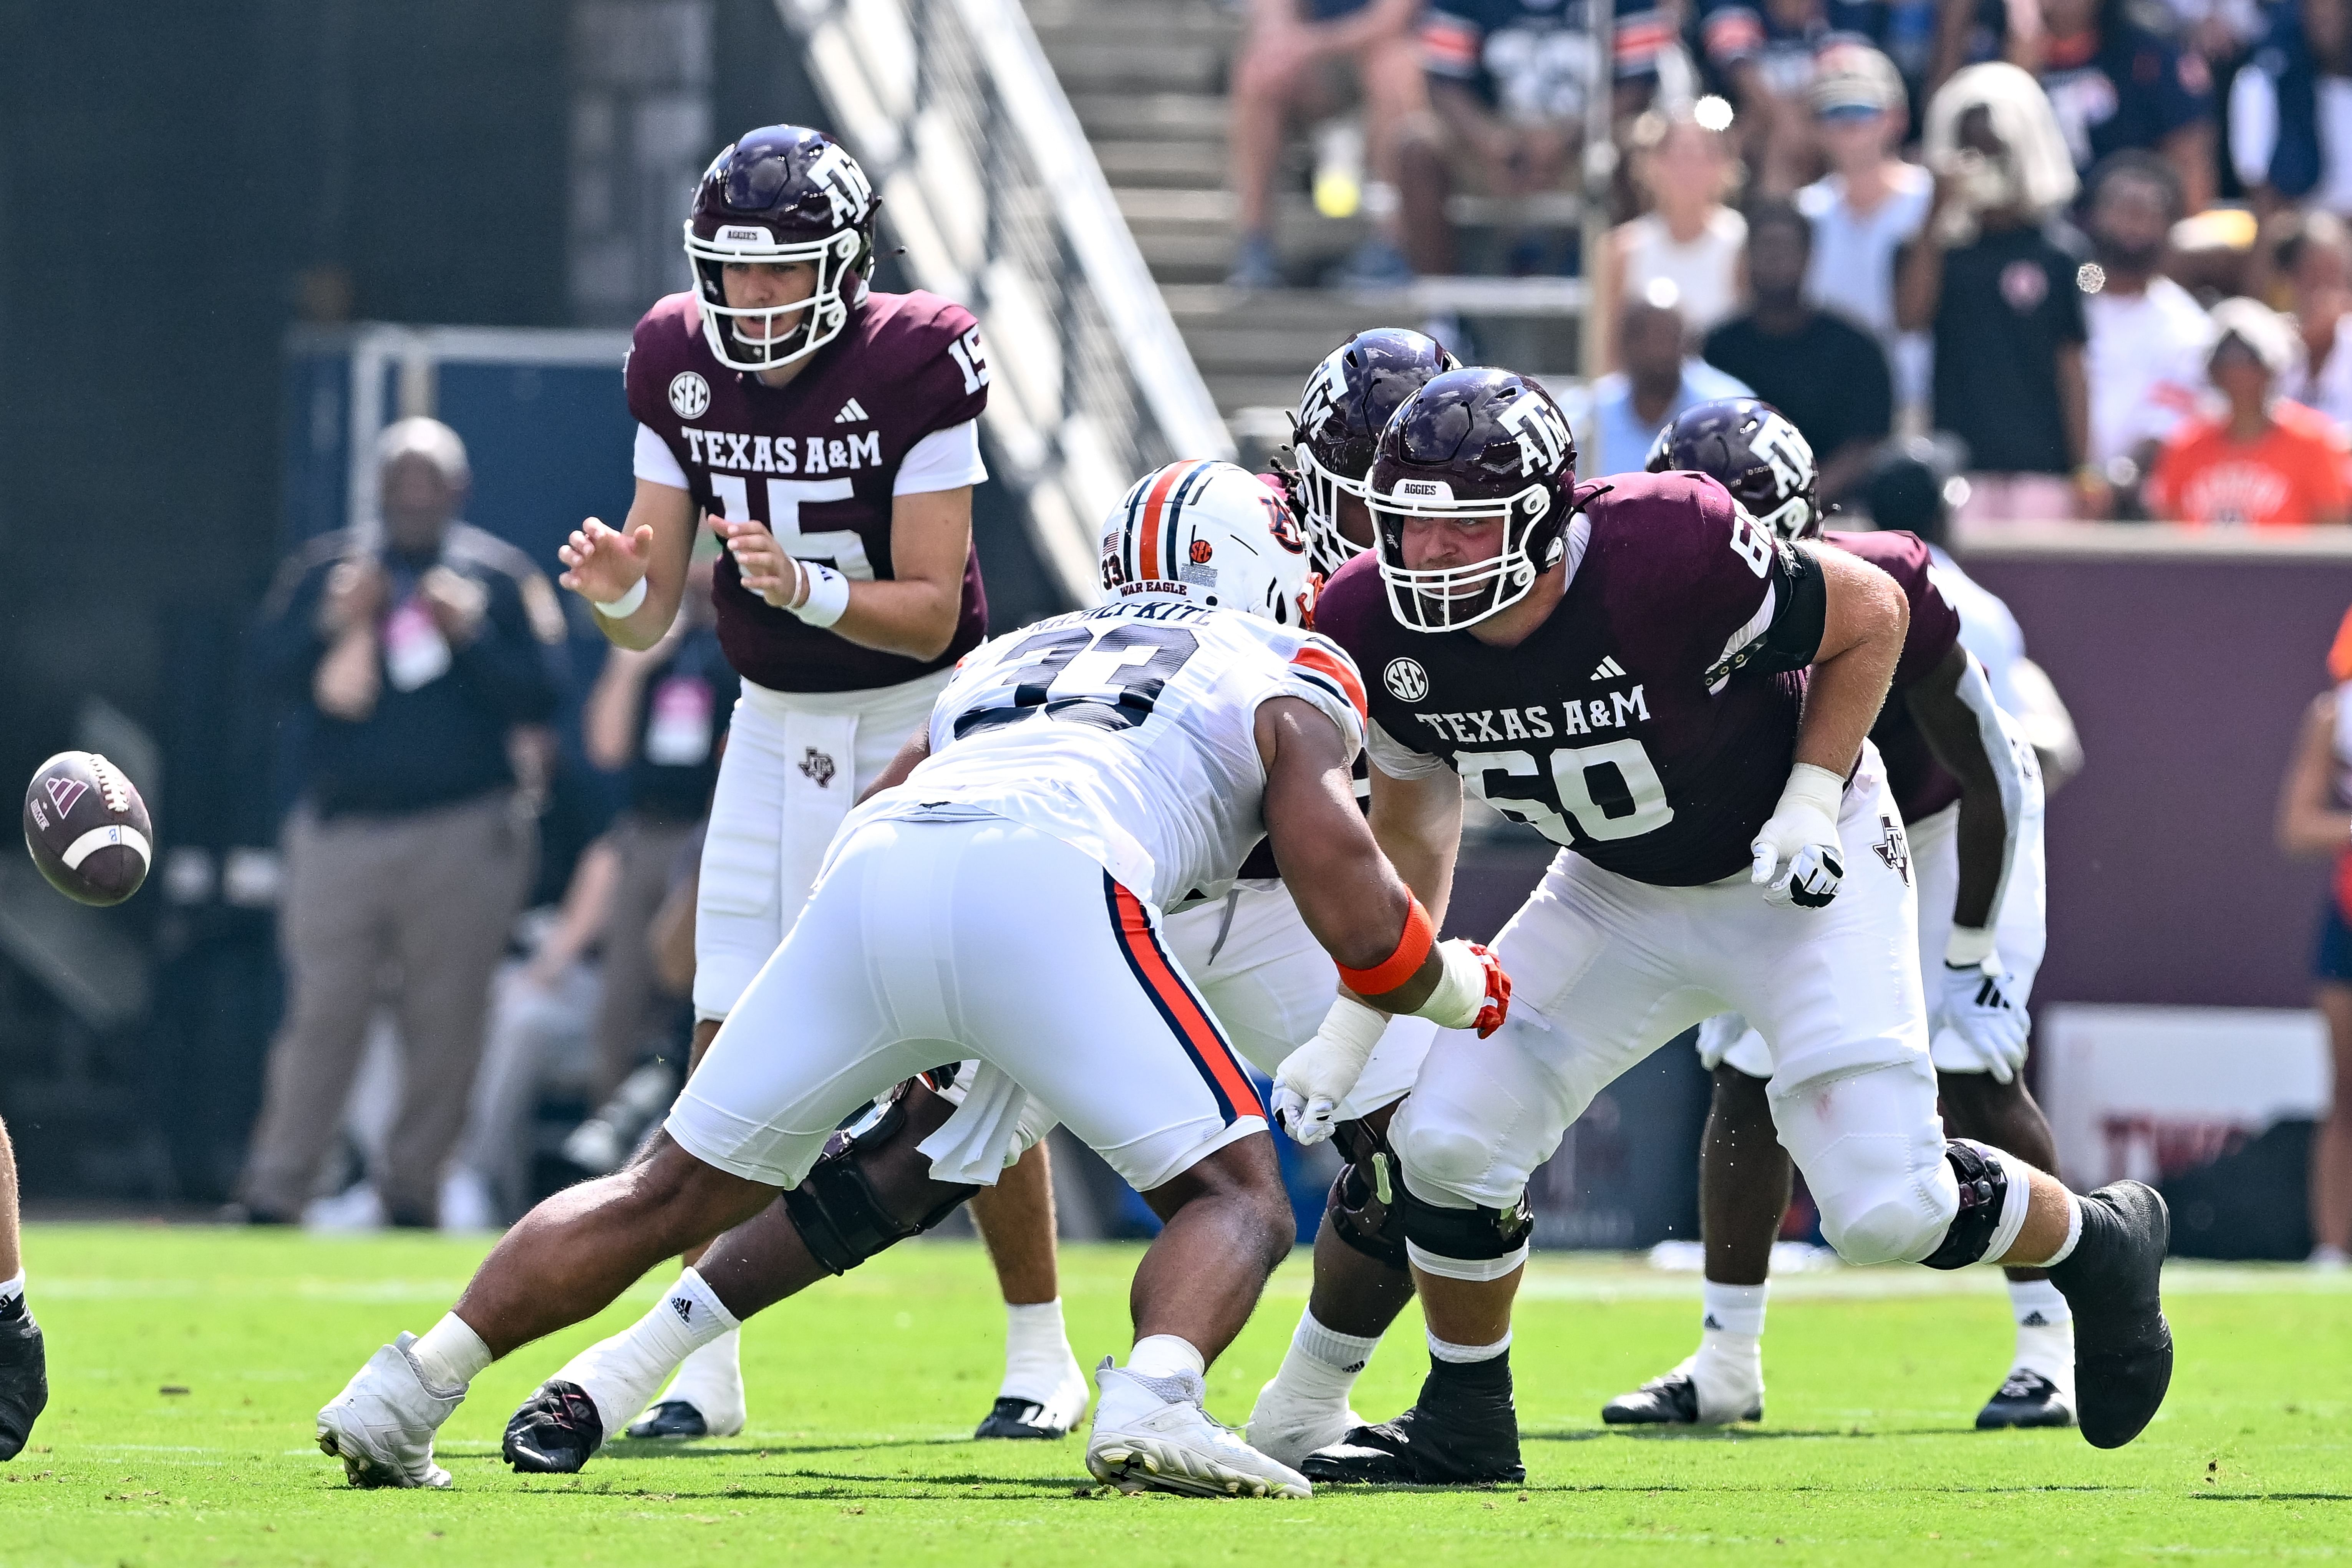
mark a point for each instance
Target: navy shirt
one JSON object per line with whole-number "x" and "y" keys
{"x": 2123, "y": 86}
{"x": 2009, "y": 303}
{"x": 437, "y": 733}
{"x": 689, "y": 698}
{"x": 1531, "y": 60}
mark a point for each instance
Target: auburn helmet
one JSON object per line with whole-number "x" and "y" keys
{"x": 1750, "y": 449}
{"x": 1341, "y": 414}
{"x": 781, "y": 194}
{"x": 1214, "y": 533}
{"x": 1472, "y": 446}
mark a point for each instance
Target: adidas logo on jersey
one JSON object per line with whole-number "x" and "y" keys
{"x": 1609, "y": 670}
{"x": 850, "y": 413}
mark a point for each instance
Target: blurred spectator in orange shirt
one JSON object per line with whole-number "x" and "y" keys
{"x": 2265, "y": 462}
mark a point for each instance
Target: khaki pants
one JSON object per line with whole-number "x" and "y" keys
{"x": 429, "y": 896}
{"x": 633, "y": 1006}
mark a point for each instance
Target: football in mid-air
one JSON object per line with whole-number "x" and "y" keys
{"x": 88, "y": 829}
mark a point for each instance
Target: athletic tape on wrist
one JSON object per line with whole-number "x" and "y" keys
{"x": 1461, "y": 990}
{"x": 622, "y": 608}
{"x": 1817, "y": 787}
{"x": 1412, "y": 952}
{"x": 1969, "y": 947}
{"x": 828, "y": 595}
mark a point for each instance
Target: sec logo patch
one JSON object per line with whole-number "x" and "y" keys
{"x": 1406, "y": 679}
{"x": 690, "y": 394}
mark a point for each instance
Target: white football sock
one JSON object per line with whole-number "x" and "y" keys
{"x": 1728, "y": 1370}
{"x": 1322, "y": 1363}
{"x": 450, "y": 1353}
{"x": 1165, "y": 1364}
{"x": 622, "y": 1373}
{"x": 1165, "y": 1355}
{"x": 12, "y": 1289}
{"x": 1036, "y": 1352}
{"x": 1733, "y": 1308}
{"x": 2045, "y": 1331}
{"x": 1464, "y": 1355}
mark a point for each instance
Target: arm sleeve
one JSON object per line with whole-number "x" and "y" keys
{"x": 1396, "y": 759}
{"x": 654, "y": 462}
{"x": 943, "y": 460}
{"x": 1934, "y": 625}
{"x": 506, "y": 662}
{"x": 947, "y": 382}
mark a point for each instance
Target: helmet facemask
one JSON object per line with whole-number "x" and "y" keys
{"x": 840, "y": 258}
{"x": 1450, "y": 598}
{"x": 1319, "y": 490}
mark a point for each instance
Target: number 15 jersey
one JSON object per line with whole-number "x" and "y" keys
{"x": 1128, "y": 732}
{"x": 1649, "y": 723}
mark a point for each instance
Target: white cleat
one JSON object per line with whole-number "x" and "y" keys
{"x": 1152, "y": 1434}
{"x": 382, "y": 1425}
{"x": 1286, "y": 1428}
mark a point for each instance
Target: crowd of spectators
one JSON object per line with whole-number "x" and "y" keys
{"x": 2094, "y": 248}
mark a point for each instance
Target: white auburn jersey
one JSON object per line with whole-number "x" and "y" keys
{"x": 1128, "y": 732}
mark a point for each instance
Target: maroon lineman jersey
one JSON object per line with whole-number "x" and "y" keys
{"x": 816, "y": 462}
{"x": 1650, "y": 722}
{"x": 1920, "y": 784}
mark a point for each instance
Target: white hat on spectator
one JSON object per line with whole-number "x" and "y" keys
{"x": 2261, "y": 329}
{"x": 1854, "y": 79}
{"x": 429, "y": 439}
{"x": 2022, "y": 117}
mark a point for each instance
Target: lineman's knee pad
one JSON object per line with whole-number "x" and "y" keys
{"x": 1363, "y": 1209}
{"x": 843, "y": 1218}
{"x": 1983, "y": 1179}
{"x": 1475, "y": 1236}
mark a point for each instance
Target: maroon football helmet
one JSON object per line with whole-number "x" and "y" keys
{"x": 783, "y": 192}
{"x": 1341, "y": 414}
{"x": 1472, "y": 446}
{"x": 1752, "y": 450}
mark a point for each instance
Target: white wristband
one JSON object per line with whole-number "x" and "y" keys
{"x": 622, "y": 608}
{"x": 1969, "y": 947}
{"x": 828, "y": 595}
{"x": 1454, "y": 1002}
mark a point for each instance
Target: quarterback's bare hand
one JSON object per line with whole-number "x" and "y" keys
{"x": 1796, "y": 857}
{"x": 768, "y": 571}
{"x": 1314, "y": 1078}
{"x": 600, "y": 564}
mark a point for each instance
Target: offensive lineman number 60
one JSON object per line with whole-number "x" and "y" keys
{"x": 1610, "y": 791}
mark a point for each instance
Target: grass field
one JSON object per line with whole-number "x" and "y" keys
{"x": 186, "y": 1364}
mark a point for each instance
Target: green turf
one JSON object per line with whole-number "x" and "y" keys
{"x": 186, "y": 1365}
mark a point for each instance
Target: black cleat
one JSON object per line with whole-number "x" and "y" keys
{"x": 2123, "y": 1346}
{"x": 1019, "y": 1419}
{"x": 1462, "y": 1432}
{"x": 555, "y": 1432}
{"x": 23, "y": 1376}
{"x": 2026, "y": 1399}
{"x": 1671, "y": 1400}
{"x": 673, "y": 1420}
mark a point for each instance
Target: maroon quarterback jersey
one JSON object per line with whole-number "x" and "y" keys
{"x": 1642, "y": 724}
{"x": 1919, "y": 782}
{"x": 816, "y": 462}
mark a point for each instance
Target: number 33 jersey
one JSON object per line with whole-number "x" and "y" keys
{"x": 1644, "y": 723}
{"x": 1128, "y": 732}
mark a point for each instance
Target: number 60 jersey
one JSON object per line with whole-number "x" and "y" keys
{"x": 1130, "y": 734}
{"x": 1649, "y": 723}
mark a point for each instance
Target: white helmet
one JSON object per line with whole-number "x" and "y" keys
{"x": 1212, "y": 533}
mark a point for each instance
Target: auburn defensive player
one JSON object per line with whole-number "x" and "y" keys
{"x": 1968, "y": 792}
{"x": 1683, "y": 701}
{"x": 830, "y": 433}
{"x": 1076, "y": 779}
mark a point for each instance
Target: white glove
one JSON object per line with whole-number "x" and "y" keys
{"x": 1798, "y": 859}
{"x": 1977, "y": 1011}
{"x": 1314, "y": 1078}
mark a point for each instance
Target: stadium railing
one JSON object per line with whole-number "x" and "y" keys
{"x": 989, "y": 182}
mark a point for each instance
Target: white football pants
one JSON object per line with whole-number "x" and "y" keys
{"x": 1604, "y": 970}
{"x": 2021, "y": 934}
{"x": 934, "y": 941}
{"x": 795, "y": 762}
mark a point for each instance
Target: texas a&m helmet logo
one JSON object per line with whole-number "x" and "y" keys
{"x": 844, "y": 183}
{"x": 1542, "y": 434}
{"x": 690, "y": 394}
{"x": 1406, "y": 679}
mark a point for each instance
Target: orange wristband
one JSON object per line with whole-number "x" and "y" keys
{"x": 1411, "y": 952}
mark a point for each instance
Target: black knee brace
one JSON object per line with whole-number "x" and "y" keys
{"x": 1362, "y": 1209}
{"x": 1479, "y": 1233}
{"x": 843, "y": 1221}
{"x": 1984, "y": 1186}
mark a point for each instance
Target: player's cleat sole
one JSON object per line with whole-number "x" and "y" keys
{"x": 1288, "y": 1429}
{"x": 2113, "y": 1282}
{"x": 1462, "y": 1432}
{"x": 382, "y": 1425}
{"x": 2026, "y": 1399}
{"x": 555, "y": 1432}
{"x": 1668, "y": 1401}
{"x": 24, "y": 1377}
{"x": 671, "y": 1421}
{"x": 1160, "y": 1438}
{"x": 1019, "y": 1419}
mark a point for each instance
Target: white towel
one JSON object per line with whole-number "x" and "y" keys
{"x": 994, "y": 1124}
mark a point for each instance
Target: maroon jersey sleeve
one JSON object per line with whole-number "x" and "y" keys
{"x": 1678, "y": 539}
{"x": 1935, "y": 627}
